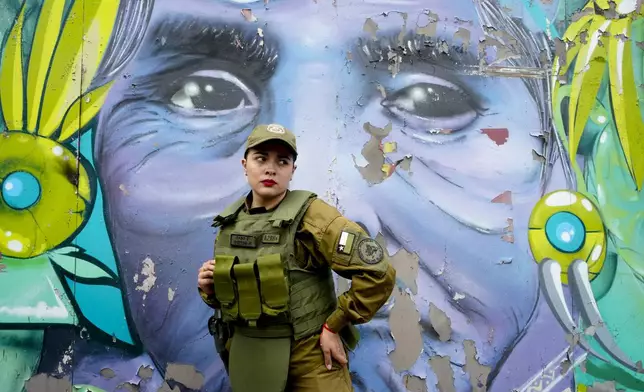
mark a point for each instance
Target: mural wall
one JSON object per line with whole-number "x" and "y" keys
{"x": 495, "y": 147}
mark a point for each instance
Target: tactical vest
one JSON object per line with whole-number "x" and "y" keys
{"x": 261, "y": 287}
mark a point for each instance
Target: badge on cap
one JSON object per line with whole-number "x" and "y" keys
{"x": 276, "y": 128}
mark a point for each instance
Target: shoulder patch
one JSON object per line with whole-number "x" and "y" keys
{"x": 370, "y": 251}
{"x": 345, "y": 244}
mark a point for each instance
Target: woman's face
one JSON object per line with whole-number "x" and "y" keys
{"x": 269, "y": 169}
{"x": 363, "y": 84}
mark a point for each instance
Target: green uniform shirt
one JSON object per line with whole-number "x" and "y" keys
{"x": 320, "y": 240}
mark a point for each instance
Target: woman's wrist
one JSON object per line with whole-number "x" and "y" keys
{"x": 326, "y": 326}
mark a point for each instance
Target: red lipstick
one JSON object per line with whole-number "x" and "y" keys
{"x": 269, "y": 183}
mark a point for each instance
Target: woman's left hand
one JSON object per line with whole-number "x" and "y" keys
{"x": 332, "y": 348}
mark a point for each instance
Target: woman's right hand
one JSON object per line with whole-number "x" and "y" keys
{"x": 205, "y": 279}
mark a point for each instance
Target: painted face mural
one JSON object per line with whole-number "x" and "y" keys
{"x": 436, "y": 126}
{"x": 171, "y": 139}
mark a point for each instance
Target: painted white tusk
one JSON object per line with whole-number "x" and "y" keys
{"x": 582, "y": 293}
{"x": 550, "y": 277}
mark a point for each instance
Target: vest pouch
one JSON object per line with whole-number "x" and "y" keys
{"x": 273, "y": 284}
{"x": 225, "y": 286}
{"x": 250, "y": 304}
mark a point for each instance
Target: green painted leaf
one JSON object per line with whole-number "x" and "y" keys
{"x": 77, "y": 265}
{"x": 47, "y": 301}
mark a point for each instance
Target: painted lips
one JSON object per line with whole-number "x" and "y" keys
{"x": 269, "y": 183}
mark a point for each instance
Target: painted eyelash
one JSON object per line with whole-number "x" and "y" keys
{"x": 226, "y": 42}
{"x": 417, "y": 47}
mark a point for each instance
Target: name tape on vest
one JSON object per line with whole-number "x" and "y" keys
{"x": 243, "y": 241}
{"x": 270, "y": 238}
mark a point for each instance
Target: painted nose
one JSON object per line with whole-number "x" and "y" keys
{"x": 309, "y": 96}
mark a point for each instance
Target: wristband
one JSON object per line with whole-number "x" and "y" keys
{"x": 325, "y": 326}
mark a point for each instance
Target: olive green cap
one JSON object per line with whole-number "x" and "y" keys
{"x": 265, "y": 132}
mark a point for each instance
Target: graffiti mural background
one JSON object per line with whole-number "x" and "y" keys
{"x": 494, "y": 147}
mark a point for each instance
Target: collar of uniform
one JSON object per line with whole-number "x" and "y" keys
{"x": 257, "y": 210}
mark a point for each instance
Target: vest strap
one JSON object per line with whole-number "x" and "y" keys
{"x": 229, "y": 214}
{"x": 290, "y": 207}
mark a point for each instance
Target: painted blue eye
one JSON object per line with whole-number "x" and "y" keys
{"x": 20, "y": 190}
{"x": 566, "y": 232}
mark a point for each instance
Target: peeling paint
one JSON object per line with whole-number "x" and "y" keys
{"x": 107, "y": 373}
{"x": 440, "y": 322}
{"x": 458, "y": 296}
{"x": 403, "y": 29}
{"x": 382, "y": 90}
{"x": 170, "y": 294}
{"x": 145, "y": 372}
{"x": 406, "y": 266}
{"x": 460, "y": 21}
{"x": 147, "y": 270}
{"x": 463, "y": 35}
{"x": 376, "y": 170}
{"x": 128, "y": 387}
{"x": 590, "y": 331}
{"x": 429, "y": 28}
{"x": 389, "y": 147}
{"x": 497, "y": 135}
{"x": 45, "y": 383}
{"x": 607, "y": 386}
{"x": 509, "y": 231}
{"x": 414, "y": 383}
{"x": 166, "y": 388}
{"x": 505, "y": 44}
{"x": 405, "y": 328}
{"x": 444, "y": 373}
{"x": 478, "y": 373}
{"x": 538, "y": 157}
{"x": 247, "y": 13}
{"x": 184, "y": 374}
{"x": 371, "y": 27}
{"x": 394, "y": 61}
{"x": 503, "y": 198}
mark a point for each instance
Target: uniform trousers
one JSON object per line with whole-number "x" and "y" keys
{"x": 308, "y": 372}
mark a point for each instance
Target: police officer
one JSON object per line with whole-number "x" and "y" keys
{"x": 271, "y": 280}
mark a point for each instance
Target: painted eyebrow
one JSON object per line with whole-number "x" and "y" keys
{"x": 439, "y": 51}
{"x": 232, "y": 42}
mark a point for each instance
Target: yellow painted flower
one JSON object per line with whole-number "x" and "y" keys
{"x": 45, "y": 190}
{"x": 601, "y": 44}
{"x": 565, "y": 226}
{"x": 45, "y": 194}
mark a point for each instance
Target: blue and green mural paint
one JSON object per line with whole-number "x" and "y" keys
{"x": 494, "y": 147}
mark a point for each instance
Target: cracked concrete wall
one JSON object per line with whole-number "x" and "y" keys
{"x": 492, "y": 147}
